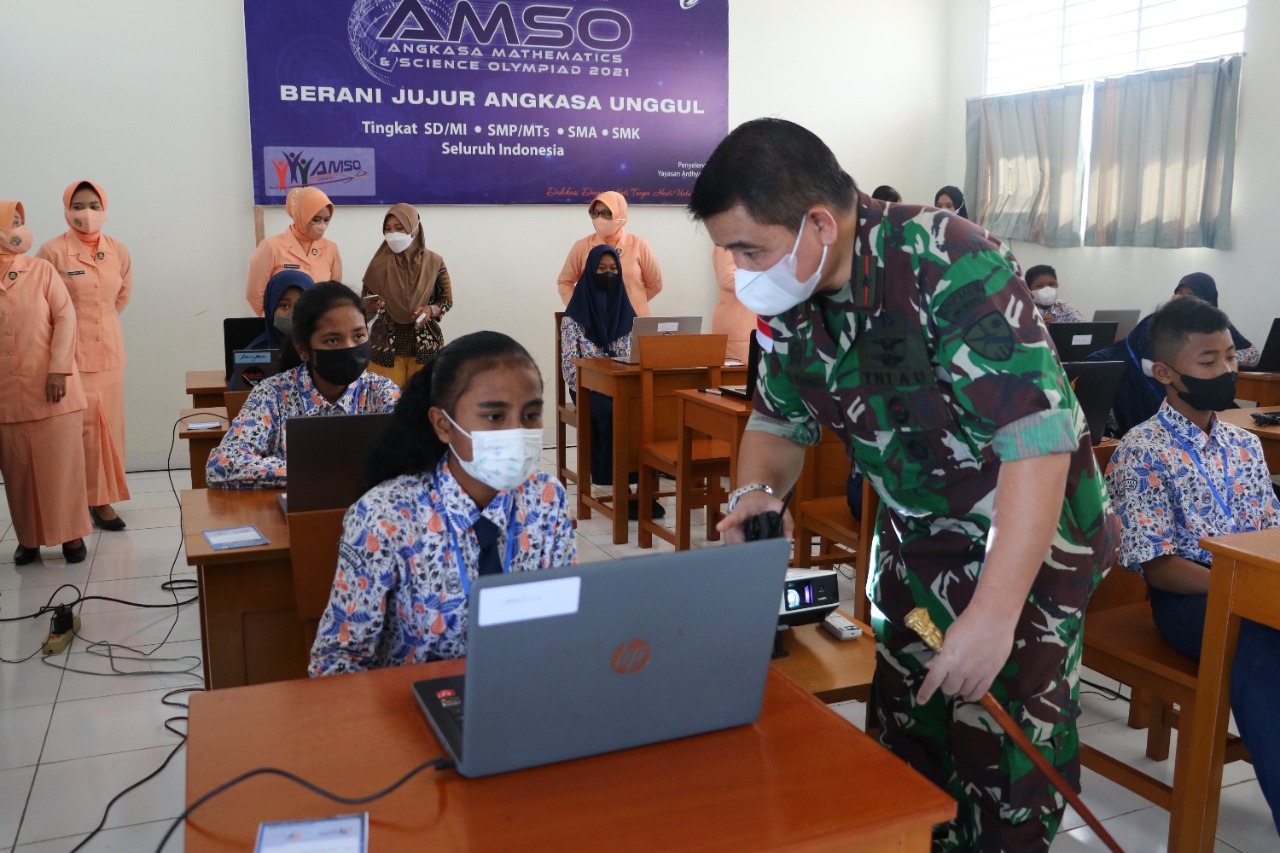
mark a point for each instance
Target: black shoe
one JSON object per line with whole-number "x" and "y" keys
{"x": 112, "y": 525}
{"x": 658, "y": 510}
{"x": 25, "y": 555}
{"x": 633, "y": 510}
{"x": 76, "y": 554}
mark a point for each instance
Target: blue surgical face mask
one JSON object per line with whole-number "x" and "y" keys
{"x": 776, "y": 290}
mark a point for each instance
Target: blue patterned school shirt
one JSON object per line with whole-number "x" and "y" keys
{"x": 1062, "y": 312}
{"x": 1165, "y": 503}
{"x": 398, "y": 596}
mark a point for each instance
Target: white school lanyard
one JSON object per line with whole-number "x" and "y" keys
{"x": 1226, "y": 472}
{"x": 457, "y": 549}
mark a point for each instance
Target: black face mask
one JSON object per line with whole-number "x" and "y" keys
{"x": 341, "y": 366}
{"x": 1208, "y": 395}
{"x": 606, "y": 280}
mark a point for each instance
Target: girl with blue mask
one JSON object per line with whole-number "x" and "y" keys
{"x": 458, "y": 496}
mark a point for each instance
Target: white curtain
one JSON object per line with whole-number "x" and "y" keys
{"x": 1163, "y": 157}
{"x": 1025, "y": 169}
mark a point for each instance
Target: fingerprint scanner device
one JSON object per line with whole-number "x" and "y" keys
{"x": 658, "y": 326}
{"x": 571, "y": 662}
{"x": 325, "y": 460}
{"x": 251, "y": 366}
{"x": 808, "y": 595}
{"x": 1077, "y": 341}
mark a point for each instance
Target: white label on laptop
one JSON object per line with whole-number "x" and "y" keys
{"x": 344, "y": 834}
{"x": 668, "y": 328}
{"x": 1081, "y": 340}
{"x": 203, "y": 424}
{"x": 524, "y": 601}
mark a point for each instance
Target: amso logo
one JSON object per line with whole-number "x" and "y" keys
{"x": 384, "y": 34}
{"x": 338, "y": 171}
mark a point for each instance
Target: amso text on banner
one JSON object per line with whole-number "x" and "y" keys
{"x": 482, "y": 102}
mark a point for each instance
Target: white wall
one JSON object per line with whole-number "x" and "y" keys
{"x": 1142, "y": 278}
{"x": 149, "y": 98}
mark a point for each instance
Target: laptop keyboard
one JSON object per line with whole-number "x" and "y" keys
{"x": 451, "y": 702}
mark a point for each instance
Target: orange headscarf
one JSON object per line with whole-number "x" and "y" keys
{"x": 86, "y": 225}
{"x": 617, "y": 205}
{"x": 71, "y": 190}
{"x": 13, "y": 241}
{"x": 302, "y": 205}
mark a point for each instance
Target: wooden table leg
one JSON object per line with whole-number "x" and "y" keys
{"x": 684, "y": 473}
{"x": 584, "y": 453}
{"x": 621, "y": 488}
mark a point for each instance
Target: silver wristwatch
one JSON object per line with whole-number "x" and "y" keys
{"x": 737, "y": 494}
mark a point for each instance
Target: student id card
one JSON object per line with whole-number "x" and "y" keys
{"x": 342, "y": 834}
{"x": 235, "y": 537}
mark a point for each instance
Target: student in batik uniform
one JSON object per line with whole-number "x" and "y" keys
{"x": 1184, "y": 475}
{"x": 98, "y": 274}
{"x": 1042, "y": 281}
{"x": 332, "y": 342}
{"x": 459, "y": 497}
{"x": 908, "y": 331}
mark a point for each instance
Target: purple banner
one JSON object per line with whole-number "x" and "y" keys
{"x": 484, "y": 102}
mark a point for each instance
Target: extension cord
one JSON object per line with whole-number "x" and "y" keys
{"x": 56, "y": 644}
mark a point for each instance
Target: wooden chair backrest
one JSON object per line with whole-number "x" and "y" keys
{"x": 699, "y": 358}
{"x": 313, "y": 554}
{"x": 235, "y": 402}
{"x": 826, "y": 470}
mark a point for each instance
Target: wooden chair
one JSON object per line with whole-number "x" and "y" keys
{"x": 841, "y": 539}
{"x": 313, "y": 555}
{"x": 566, "y": 416}
{"x": 1121, "y": 642}
{"x": 685, "y": 361}
{"x": 235, "y": 402}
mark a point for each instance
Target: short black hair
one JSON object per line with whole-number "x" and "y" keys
{"x": 316, "y": 301}
{"x": 409, "y": 444}
{"x": 1037, "y": 271}
{"x": 774, "y": 168}
{"x": 1177, "y": 320}
{"x": 884, "y": 192}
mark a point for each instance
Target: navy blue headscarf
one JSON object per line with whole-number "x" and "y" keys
{"x": 957, "y": 198}
{"x": 276, "y": 286}
{"x": 604, "y": 314}
{"x": 1202, "y": 285}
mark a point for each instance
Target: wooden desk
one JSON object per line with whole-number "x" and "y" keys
{"x": 832, "y": 670}
{"x": 716, "y": 416}
{"x": 250, "y": 629}
{"x": 621, "y": 382}
{"x": 1261, "y": 388}
{"x": 759, "y": 787}
{"x": 206, "y": 387}
{"x": 1269, "y": 435}
{"x": 1244, "y": 584}
{"x": 201, "y": 442}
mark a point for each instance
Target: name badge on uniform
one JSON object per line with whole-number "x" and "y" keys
{"x": 868, "y": 283}
{"x": 75, "y": 272}
{"x": 101, "y": 255}
{"x": 293, "y": 266}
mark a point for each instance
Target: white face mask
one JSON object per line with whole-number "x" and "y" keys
{"x": 776, "y": 290}
{"x": 500, "y": 458}
{"x": 398, "y": 241}
{"x": 1045, "y": 296}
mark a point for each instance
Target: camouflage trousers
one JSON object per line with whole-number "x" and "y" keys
{"x": 1004, "y": 802}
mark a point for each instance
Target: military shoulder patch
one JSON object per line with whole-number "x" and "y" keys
{"x": 991, "y": 337}
{"x": 961, "y": 301}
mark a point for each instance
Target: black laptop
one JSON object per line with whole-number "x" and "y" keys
{"x": 1269, "y": 361}
{"x": 325, "y": 459}
{"x": 746, "y": 392}
{"x": 251, "y": 366}
{"x": 1095, "y": 384}
{"x": 1077, "y": 341}
{"x": 1125, "y": 318}
{"x": 237, "y": 334}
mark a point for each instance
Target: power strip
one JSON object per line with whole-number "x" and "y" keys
{"x": 56, "y": 644}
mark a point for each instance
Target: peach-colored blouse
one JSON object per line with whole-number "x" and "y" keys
{"x": 37, "y": 337}
{"x": 730, "y": 316}
{"x": 100, "y": 282}
{"x": 320, "y": 260}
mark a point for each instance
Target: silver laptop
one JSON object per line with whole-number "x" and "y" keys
{"x": 577, "y": 661}
{"x": 658, "y": 326}
{"x": 1124, "y": 318}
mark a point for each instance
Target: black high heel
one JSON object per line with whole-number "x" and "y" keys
{"x": 114, "y": 525}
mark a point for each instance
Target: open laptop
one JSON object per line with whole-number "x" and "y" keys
{"x": 1269, "y": 360}
{"x": 1095, "y": 384}
{"x": 658, "y": 326}
{"x": 251, "y": 366}
{"x": 1124, "y": 318}
{"x": 1076, "y": 341}
{"x": 746, "y": 392}
{"x": 325, "y": 457}
{"x": 237, "y": 334}
{"x": 582, "y": 660}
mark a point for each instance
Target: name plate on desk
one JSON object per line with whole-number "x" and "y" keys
{"x": 342, "y": 834}
{"x": 235, "y": 537}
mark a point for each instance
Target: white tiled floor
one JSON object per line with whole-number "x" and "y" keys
{"x": 69, "y": 741}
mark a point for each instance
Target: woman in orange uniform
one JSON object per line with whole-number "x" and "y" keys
{"x": 730, "y": 316}
{"x": 97, "y": 273}
{"x": 41, "y": 451}
{"x": 640, "y": 272}
{"x": 301, "y": 246}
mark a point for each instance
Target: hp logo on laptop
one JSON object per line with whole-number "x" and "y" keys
{"x": 630, "y": 657}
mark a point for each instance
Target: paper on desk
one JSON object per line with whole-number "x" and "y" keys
{"x": 524, "y": 601}
{"x": 342, "y": 834}
{"x": 235, "y": 537}
{"x": 203, "y": 424}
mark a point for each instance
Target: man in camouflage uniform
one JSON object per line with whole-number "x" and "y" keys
{"x": 910, "y": 334}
